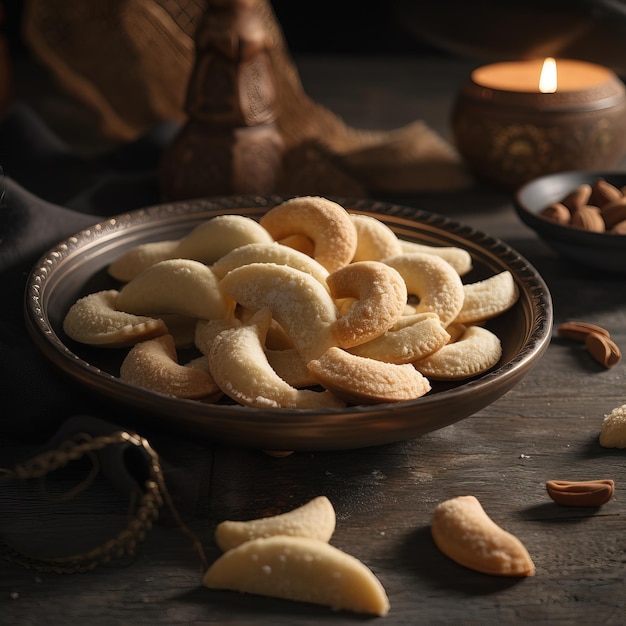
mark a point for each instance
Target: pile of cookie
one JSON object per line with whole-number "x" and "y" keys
{"x": 312, "y": 306}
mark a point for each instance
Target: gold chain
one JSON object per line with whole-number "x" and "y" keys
{"x": 125, "y": 542}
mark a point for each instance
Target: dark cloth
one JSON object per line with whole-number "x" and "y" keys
{"x": 47, "y": 194}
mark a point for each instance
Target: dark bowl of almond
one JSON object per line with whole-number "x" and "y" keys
{"x": 579, "y": 214}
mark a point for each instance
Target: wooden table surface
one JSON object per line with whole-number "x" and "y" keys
{"x": 545, "y": 428}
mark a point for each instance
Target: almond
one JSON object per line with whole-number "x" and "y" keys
{"x": 588, "y": 218}
{"x": 580, "y": 493}
{"x": 603, "y": 349}
{"x": 602, "y": 192}
{"x": 577, "y": 198}
{"x": 558, "y": 213}
{"x": 614, "y": 212}
{"x": 578, "y": 331}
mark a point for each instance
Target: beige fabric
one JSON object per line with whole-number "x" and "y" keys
{"x": 127, "y": 60}
{"x": 130, "y": 62}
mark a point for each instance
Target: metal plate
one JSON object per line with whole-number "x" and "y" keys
{"x": 77, "y": 266}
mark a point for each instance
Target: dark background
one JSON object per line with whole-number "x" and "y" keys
{"x": 483, "y": 29}
{"x": 325, "y": 27}
{"x": 346, "y": 27}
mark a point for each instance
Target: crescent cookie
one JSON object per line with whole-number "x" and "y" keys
{"x": 375, "y": 240}
{"x": 488, "y": 298}
{"x": 464, "y": 532}
{"x": 153, "y": 365}
{"x": 326, "y": 223}
{"x": 475, "y": 352}
{"x": 613, "y": 429}
{"x": 241, "y": 370}
{"x": 456, "y": 331}
{"x": 180, "y": 286}
{"x": 434, "y": 281}
{"x": 411, "y": 338}
{"x": 298, "y": 302}
{"x": 206, "y": 243}
{"x": 459, "y": 258}
{"x": 380, "y": 294}
{"x": 95, "y": 320}
{"x": 269, "y": 253}
{"x": 207, "y": 330}
{"x": 360, "y": 380}
{"x": 316, "y": 519}
{"x": 276, "y": 338}
{"x": 141, "y": 257}
{"x": 216, "y": 237}
{"x": 301, "y": 569}
{"x": 291, "y": 367}
{"x": 301, "y": 243}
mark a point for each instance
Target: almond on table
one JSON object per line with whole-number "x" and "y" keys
{"x": 580, "y": 493}
{"x": 596, "y": 339}
{"x": 578, "y": 331}
{"x": 603, "y": 349}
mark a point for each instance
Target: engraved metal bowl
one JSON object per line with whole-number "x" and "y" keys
{"x": 509, "y": 138}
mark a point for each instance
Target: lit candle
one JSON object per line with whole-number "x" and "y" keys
{"x": 513, "y": 121}
{"x": 548, "y": 79}
{"x": 546, "y": 76}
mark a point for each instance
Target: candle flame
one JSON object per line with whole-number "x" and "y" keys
{"x": 547, "y": 79}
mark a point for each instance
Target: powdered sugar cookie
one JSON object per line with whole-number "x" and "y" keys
{"x": 95, "y": 320}
{"x": 379, "y": 295}
{"x": 434, "y": 281}
{"x": 475, "y": 352}
{"x": 180, "y": 286}
{"x": 240, "y": 368}
{"x": 326, "y": 223}
{"x": 360, "y": 380}
{"x": 300, "y": 569}
{"x": 154, "y": 365}
{"x": 488, "y": 298}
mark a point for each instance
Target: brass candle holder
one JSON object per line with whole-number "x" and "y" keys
{"x": 513, "y": 121}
